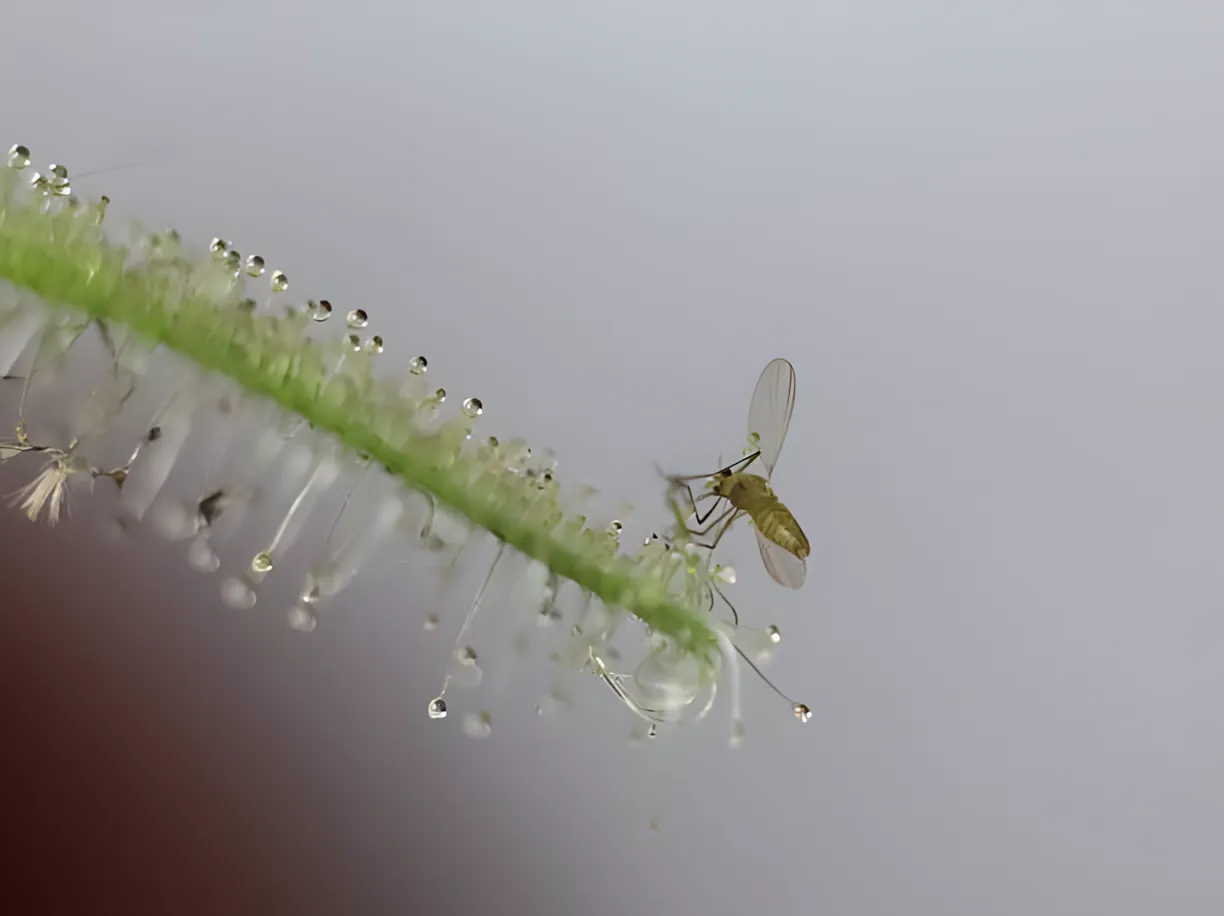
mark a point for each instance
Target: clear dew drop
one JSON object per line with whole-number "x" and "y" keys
{"x": 466, "y": 656}
{"x": 478, "y": 724}
{"x": 374, "y": 345}
{"x": 237, "y": 594}
{"x": 233, "y": 261}
{"x": 279, "y": 282}
{"x": 775, "y": 635}
{"x": 726, "y": 574}
{"x": 431, "y": 622}
{"x": 472, "y": 407}
{"x": 18, "y": 156}
{"x": 417, "y": 365}
{"x": 218, "y": 247}
{"x": 321, "y": 310}
{"x": 802, "y": 713}
{"x": 357, "y": 319}
{"x": 59, "y": 172}
{"x": 261, "y": 562}
{"x": 303, "y": 619}
{"x": 437, "y": 708}
{"x": 254, "y": 266}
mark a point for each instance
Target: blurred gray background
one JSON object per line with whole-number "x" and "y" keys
{"x": 986, "y": 235}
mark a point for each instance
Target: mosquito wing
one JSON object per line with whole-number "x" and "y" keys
{"x": 770, "y": 413}
{"x": 785, "y": 568}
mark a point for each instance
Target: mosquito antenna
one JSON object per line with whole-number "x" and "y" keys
{"x": 110, "y": 168}
{"x": 683, "y": 478}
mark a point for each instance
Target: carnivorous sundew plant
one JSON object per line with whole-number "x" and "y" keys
{"x": 207, "y": 365}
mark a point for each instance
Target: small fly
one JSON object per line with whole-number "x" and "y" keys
{"x": 784, "y": 547}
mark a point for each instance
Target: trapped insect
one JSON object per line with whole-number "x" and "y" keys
{"x": 784, "y": 547}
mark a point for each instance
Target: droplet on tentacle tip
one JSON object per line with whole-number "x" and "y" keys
{"x": 254, "y": 266}
{"x": 201, "y": 557}
{"x": 238, "y": 594}
{"x": 279, "y": 282}
{"x": 432, "y": 402}
{"x": 177, "y": 521}
{"x": 437, "y": 708}
{"x": 431, "y": 621}
{"x": 261, "y": 562}
{"x": 374, "y": 345}
{"x": 478, "y": 724}
{"x": 218, "y": 247}
{"x": 737, "y": 733}
{"x": 551, "y": 704}
{"x": 233, "y": 261}
{"x": 417, "y": 365}
{"x": 466, "y": 674}
{"x": 57, "y": 180}
{"x": 303, "y": 619}
{"x": 321, "y": 310}
{"x": 473, "y": 407}
{"x": 357, "y": 319}
{"x": 801, "y": 711}
{"x": 775, "y": 635}
{"x": 18, "y": 156}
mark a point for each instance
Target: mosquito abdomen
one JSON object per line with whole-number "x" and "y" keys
{"x": 776, "y": 523}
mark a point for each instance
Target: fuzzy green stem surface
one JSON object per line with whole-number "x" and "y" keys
{"x": 90, "y": 275}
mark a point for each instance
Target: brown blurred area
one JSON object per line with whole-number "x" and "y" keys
{"x": 150, "y": 762}
{"x": 113, "y": 800}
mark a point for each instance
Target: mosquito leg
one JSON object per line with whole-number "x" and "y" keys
{"x": 725, "y": 529}
{"x": 702, "y": 532}
{"x": 734, "y": 612}
{"x": 697, "y": 516}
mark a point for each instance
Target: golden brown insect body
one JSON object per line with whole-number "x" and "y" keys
{"x": 752, "y": 495}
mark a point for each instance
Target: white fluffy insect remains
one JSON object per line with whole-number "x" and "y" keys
{"x": 221, "y": 409}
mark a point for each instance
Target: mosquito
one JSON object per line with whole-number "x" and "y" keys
{"x": 783, "y": 545}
